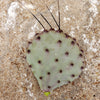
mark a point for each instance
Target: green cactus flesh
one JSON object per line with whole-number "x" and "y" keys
{"x": 55, "y": 59}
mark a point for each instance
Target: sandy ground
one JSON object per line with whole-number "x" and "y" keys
{"x": 79, "y": 19}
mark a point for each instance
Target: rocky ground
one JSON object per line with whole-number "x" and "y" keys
{"x": 79, "y": 18}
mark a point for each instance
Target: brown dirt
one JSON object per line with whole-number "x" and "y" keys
{"x": 79, "y": 18}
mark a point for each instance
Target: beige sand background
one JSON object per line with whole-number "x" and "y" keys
{"x": 79, "y": 18}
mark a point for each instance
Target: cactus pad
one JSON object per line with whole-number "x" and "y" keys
{"x": 55, "y": 59}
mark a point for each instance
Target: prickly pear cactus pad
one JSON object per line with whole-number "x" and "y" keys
{"x": 55, "y": 59}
